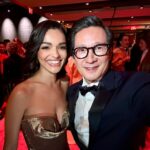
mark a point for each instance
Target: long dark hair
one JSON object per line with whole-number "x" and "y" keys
{"x": 32, "y": 47}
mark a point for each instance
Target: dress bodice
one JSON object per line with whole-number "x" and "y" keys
{"x": 43, "y": 132}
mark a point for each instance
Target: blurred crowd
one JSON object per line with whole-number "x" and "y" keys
{"x": 12, "y": 54}
{"x": 132, "y": 53}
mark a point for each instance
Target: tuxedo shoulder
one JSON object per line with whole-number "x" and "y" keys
{"x": 137, "y": 80}
{"x": 133, "y": 80}
{"x": 141, "y": 76}
{"x": 134, "y": 75}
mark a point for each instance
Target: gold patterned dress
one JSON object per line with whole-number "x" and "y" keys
{"x": 42, "y": 132}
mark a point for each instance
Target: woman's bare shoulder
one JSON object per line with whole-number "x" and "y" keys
{"x": 21, "y": 90}
{"x": 18, "y": 98}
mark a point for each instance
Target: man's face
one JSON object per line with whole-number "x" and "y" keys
{"x": 93, "y": 67}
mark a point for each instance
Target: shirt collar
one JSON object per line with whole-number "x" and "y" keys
{"x": 89, "y": 84}
{"x": 111, "y": 80}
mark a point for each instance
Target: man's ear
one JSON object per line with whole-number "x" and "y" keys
{"x": 111, "y": 54}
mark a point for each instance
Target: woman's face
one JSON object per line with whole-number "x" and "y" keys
{"x": 125, "y": 42}
{"x": 52, "y": 53}
{"x": 142, "y": 45}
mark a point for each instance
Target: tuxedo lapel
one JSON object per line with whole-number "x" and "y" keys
{"x": 102, "y": 98}
{"x": 73, "y": 96}
{"x": 72, "y": 104}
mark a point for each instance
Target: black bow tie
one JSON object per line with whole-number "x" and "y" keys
{"x": 84, "y": 89}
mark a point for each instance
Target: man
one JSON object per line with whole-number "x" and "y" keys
{"x": 111, "y": 116}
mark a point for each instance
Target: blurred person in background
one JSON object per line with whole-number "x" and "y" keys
{"x": 12, "y": 67}
{"x": 144, "y": 44}
{"x": 121, "y": 53}
{"x": 72, "y": 71}
{"x": 3, "y": 57}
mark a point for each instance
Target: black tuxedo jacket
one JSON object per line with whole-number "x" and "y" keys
{"x": 119, "y": 113}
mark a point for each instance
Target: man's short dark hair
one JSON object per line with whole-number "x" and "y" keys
{"x": 86, "y": 22}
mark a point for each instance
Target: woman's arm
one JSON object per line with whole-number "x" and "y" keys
{"x": 14, "y": 112}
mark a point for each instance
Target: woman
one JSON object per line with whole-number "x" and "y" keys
{"x": 120, "y": 54}
{"x": 144, "y": 44}
{"x": 38, "y": 104}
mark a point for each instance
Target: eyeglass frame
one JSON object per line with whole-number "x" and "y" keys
{"x": 93, "y": 49}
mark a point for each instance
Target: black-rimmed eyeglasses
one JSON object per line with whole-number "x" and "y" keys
{"x": 98, "y": 50}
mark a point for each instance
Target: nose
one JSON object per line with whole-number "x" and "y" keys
{"x": 55, "y": 53}
{"x": 90, "y": 57}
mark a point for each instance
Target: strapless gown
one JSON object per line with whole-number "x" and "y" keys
{"x": 45, "y": 132}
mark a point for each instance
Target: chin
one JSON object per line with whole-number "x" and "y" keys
{"x": 55, "y": 71}
{"x": 90, "y": 79}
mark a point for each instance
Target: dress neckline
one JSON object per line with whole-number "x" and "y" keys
{"x": 39, "y": 115}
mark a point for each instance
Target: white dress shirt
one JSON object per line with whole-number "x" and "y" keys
{"x": 82, "y": 108}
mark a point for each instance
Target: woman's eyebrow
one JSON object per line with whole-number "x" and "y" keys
{"x": 47, "y": 43}
{"x": 51, "y": 43}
